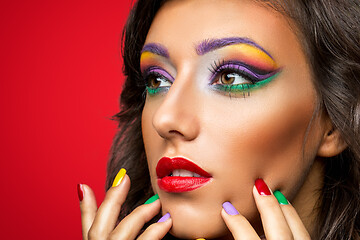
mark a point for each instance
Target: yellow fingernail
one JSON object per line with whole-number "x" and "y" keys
{"x": 119, "y": 177}
{"x": 200, "y": 239}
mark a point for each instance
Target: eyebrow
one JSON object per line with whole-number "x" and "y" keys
{"x": 209, "y": 45}
{"x": 155, "y": 48}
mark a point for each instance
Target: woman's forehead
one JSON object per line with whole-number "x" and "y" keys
{"x": 186, "y": 24}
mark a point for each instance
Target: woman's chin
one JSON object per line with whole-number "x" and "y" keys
{"x": 192, "y": 222}
{"x": 194, "y": 228}
{"x": 192, "y": 219}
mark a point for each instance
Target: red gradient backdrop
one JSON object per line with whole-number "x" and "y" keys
{"x": 60, "y": 79}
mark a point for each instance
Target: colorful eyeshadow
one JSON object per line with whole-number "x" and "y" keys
{"x": 250, "y": 55}
{"x": 156, "y": 48}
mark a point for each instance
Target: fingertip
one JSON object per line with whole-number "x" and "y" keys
{"x": 223, "y": 213}
{"x": 229, "y": 208}
{"x": 80, "y": 191}
{"x": 164, "y": 218}
{"x": 88, "y": 201}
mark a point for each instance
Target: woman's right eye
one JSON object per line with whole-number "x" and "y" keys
{"x": 156, "y": 83}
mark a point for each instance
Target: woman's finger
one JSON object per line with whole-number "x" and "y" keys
{"x": 238, "y": 225}
{"x": 272, "y": 217}
{"x": 157, "y": 230}
{"x": 131, "y": 225}
{"x": 88, "y": 208}
{"x": 109, "y": 210}
{"x": 292, "y": 218}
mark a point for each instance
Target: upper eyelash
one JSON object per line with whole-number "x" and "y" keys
{"x": 221, "y": 65}
{"x": 150, "y": 69}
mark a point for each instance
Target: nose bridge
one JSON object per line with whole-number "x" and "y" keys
{"x": 177, "y": 115}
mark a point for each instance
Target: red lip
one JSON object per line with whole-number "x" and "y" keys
{"x": 169, "y": 183}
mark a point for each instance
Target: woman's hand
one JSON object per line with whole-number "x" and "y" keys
{"x": 280, "y": 221}
{"x": 101, "y": 223}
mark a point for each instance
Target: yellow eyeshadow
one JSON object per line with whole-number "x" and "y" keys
{"x": 147, "y": 55}
{"x": 252, "y": 53}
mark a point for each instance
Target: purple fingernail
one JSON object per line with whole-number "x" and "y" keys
{"x": 230, "y": 209}
{"x": 164, "y": 218}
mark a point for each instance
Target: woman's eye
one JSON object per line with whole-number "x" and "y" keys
{"x": 155, "y": 81}
{"x": 232, "y": 78}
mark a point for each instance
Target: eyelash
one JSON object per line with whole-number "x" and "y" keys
{"x": 256, "y": 77}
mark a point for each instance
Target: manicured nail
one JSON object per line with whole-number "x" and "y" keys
{"x": 152, "y": 199}
{"x": 164, "y": 218}
{"x": 200, "y": 239}
{"x": 119, "y": 177}
{"x": 80, "y": 191}
{"x": 262, "y": 188}
{"x": 281, "y": 198}
{"x": 230, "y": 209}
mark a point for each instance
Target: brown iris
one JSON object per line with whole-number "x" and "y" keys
{"x": 227, "y": 78}
{"x": 153, "y": 81}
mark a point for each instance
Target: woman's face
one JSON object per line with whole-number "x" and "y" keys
{"x": 230, "y": 90}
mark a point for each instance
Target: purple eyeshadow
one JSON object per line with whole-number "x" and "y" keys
{"x": 160, "y": 71}
{"x": 242, "y": 70}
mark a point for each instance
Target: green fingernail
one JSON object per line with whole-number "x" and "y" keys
{"x": 281, "y": 198}
{"x": 152, "y": 199}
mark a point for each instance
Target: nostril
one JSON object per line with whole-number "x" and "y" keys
{"x": 175, "y": 132}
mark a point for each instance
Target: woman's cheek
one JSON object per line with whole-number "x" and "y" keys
{"x": 263, "y": 140}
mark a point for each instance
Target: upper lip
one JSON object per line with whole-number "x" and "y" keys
{"x": 167, "y": 165}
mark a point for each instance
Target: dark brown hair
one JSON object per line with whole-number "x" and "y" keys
{"x": 329, "y": 31}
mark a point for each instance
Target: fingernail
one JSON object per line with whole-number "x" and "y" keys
{"x": 164, "y": 218}
{"x": 200, "y": 239}
{"x": 80, "y": 191}
{"x": 119, "y": 177}
{"x": 262, "y": 188}
{"x": 152, "y": 199}
{"x": 281, "y": 198}
{"x": 230, "y": 209}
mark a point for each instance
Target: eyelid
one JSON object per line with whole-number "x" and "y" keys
{"x": 252, "y": 72}
{"x": 157, "y": 70}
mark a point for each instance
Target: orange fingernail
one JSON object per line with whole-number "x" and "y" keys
{"x": 119, "y": 177}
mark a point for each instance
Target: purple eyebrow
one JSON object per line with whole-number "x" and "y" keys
{"x": 209, "y": 45}
{"x": 156, "y": 48}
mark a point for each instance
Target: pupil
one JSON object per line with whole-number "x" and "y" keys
{"x": 228, "y": 78}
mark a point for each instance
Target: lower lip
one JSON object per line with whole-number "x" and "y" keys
{"x": 181, "y": 184}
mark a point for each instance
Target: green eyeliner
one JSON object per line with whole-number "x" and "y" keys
{"x": 241, "y": 88}
{"x": 153, "y": 91}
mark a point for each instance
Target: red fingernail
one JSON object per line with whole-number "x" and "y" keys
{"x": 80, "y": 191}
{"x": 262, "y": 188}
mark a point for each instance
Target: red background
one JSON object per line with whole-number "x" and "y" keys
{"x": 60, "y": 80}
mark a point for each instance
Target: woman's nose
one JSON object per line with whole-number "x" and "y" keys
{"x": 178, "y": 115}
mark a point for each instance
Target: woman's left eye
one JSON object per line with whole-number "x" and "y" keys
{"x": 229, "y": 77}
